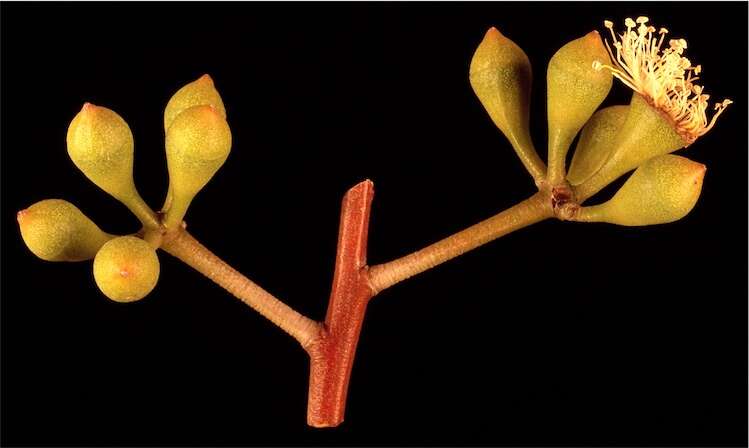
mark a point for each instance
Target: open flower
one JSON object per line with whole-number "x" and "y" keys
{"x": 664, "y": 77}
{"x": 667, "y": 111}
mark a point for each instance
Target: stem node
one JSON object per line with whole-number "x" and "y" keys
{"x": 332, "y": 355}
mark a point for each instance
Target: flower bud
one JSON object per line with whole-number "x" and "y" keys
{"x": 596, "y": 143}
{"x": 55, "y": 230}
{"x": 662, "y": 190}
{"x": 501, "y": 77}
{"x": 197, "y": 144}
{"x": 197, "y": 93}
{"x": 574, "y": 91}
{"x": 200, "y": 92}
{"x": 646, "y": 133}
{"x": 101, "y": 146}
{"x": 126, "y": 269}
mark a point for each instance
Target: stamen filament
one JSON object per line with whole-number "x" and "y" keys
{"x": 665, "y": 78}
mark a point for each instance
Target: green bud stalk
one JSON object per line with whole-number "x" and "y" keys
{"x": 662, "y": 190}
{"x": 596, "y": 143}
{"x": 56, "y": 230}
{"x": 197, "y": 145}
{"x": 126, "y": 269}
{"x": 101, "y": 145}
{"x": 501, "y": 77}
{"x": 646, "y": 133}
{"x": 574, "y": 91}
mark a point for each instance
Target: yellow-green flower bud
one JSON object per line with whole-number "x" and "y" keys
{"x": 126, "y": 269}
{"x": 646, "y": 133}
{"x": 56, "y": 230}
{"x": 596, "y": 143}
{"x": 197, "y": 93}
{"x": 574, "y": 91}
{"x": 101, "y": 146}
{"x": 200, "y": 92}
{"x": 662, "y": 190}
{"x": 197, "y": 144}
{"x": 501, "y": 77}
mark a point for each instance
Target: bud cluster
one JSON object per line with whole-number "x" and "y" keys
{"x": 100, "y": 144}
{"x": 613, "y": 141}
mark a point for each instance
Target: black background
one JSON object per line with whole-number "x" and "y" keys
{"x": 559, "y": 334}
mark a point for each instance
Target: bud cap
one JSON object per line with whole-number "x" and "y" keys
{"x": 200, "y": 92}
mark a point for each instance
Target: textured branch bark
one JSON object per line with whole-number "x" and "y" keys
{"x": 332, "y": 355}
{"x": 183, "y": 246}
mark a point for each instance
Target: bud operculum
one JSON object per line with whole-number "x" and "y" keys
{"x": 197, "y": 93}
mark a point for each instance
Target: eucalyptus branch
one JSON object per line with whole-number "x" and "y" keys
{"x": 183, "y": 246}
{"x": 532, "y": 210}
{"x": 666, "y": 113}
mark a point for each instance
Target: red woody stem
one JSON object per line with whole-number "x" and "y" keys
{"x": 332, "y": 355}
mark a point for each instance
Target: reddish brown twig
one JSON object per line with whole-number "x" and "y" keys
{"x": 332, "y": 355}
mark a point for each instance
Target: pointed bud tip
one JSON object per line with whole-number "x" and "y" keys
{"x": 593, "y": 38}
{"x": 206, "y": 78}
{"x": 494, "y": 33}
{"x": 701, "y": 169}
{"x": 21, "y": 215}
{"x": 90, "y": 109}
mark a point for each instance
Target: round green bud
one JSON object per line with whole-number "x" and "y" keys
{"x": 197, "y": 144}
{"x": 126, "y": 269}
{"x": 501, "y": 77}
{"x": 574, "y": 91}
{"x": 56, "y": 230}
{"x": 662, "y": 190}
{"x": 200, "y": 92}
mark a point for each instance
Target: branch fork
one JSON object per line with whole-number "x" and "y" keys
{"x": 332, "y": 353}
{"x": 331, "y": 345}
